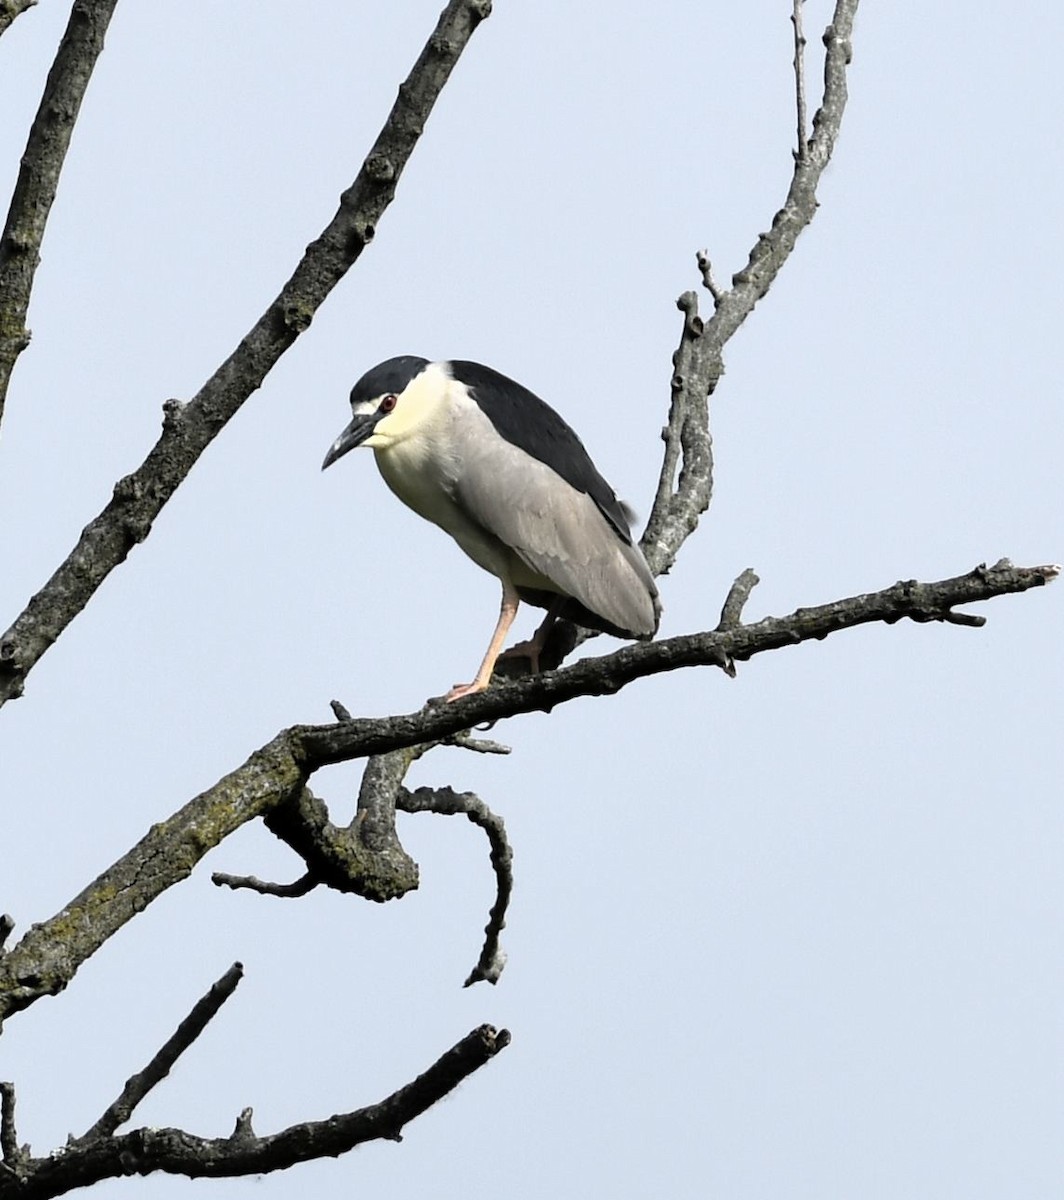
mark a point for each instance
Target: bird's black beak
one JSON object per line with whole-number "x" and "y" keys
{"x": 355, "y": 434}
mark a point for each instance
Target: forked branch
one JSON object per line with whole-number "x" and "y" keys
{"x": 145, "y": 1151}
{"x": 140, "y": 1084}
{"x": 698, "y": 363}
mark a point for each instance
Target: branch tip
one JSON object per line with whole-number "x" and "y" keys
{"x": 732, "y": 610}
{"x": 974, "y": 620}
{"x": 242, "y": 1130}
{"x": 708, "y": 282}
{"x": 466, "y": 741}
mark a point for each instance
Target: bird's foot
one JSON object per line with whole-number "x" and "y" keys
{"x": 464, "y": 689}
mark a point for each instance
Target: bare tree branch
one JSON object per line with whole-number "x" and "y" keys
{"x": 10, "y": 9}
{"x": 698, "y": 362}
{"x": 451, "y": 803}
{"x": 44, "y": 961}
{"x": 466, "y": 741}
{"x": 189, "y": 428}
{"x": 144, "y": 1151}
{"x": 38, "y": 175}
{"x": 922, "y": 602}
{"x": 139, "y": 1085}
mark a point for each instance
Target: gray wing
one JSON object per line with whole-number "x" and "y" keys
{"x": 557, "y": 534}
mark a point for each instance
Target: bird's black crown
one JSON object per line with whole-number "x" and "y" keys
{"x": 392, "y": 375}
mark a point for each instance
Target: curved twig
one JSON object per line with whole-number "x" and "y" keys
{"x": 302, "y": 886}
{"x": 189, "y": 428}
{"x": 451, "y": 803}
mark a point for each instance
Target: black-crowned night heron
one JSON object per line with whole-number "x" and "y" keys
{"x": 505, "y": 476}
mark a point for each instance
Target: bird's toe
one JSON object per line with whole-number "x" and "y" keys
{"x": 464, "y": 689}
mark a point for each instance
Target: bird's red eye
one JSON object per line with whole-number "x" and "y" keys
{"x": 387, "y": 403}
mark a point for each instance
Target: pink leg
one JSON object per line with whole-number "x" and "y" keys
{"x": 507, "y": 612}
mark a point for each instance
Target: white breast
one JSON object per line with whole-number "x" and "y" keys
{"x": 421, "y": 470}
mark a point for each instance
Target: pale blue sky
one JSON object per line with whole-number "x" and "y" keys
{"x": 793, "y": 935}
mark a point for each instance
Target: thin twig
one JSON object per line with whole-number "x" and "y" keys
{"x": 38, "y": 177}
{"x": 799, "y": 75}
{"x": 451, "y": 803}
{"x": 8, "y": 1135}
{"x": 466, "y": 741}
{"x": 732, "y": 611}
{"x": 708, "y": 282}
{"x": 287, "y": 891}
{"x": 7, "y": 924}
{"x": 188, "y": 429}
{"x": 139, "y": 1085}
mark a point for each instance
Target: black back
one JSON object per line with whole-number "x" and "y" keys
{"x": 529, "y": 423}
